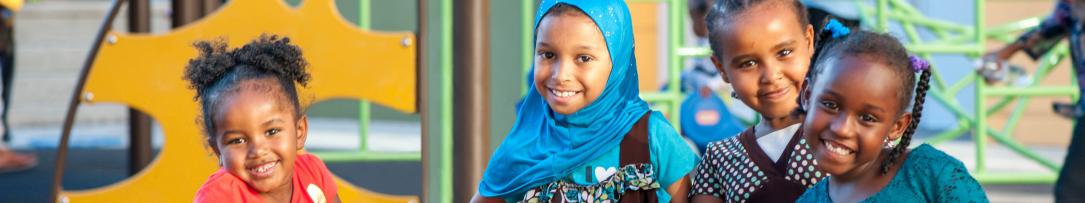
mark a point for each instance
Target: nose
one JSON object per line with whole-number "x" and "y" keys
{"x": 770, "y": 71}
{"x": 562, "y": 71}
{"x": 843, "y": 126}
{"x": 257, "y": 147}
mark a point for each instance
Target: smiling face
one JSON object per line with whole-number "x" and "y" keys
{"x": 572, "y": 63}
{"x": 257, "y": 135}
{"x": 853, "y": 106}
{"x": 765, "y": 57}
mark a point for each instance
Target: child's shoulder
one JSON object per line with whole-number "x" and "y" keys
{"x": 311, "y": 171}
{"x": 661, "y": 131}
{"x": 310, "y": 165}
{"x": 729, "y": 148}
{"x": 222, "y": 185}
{"x": 927, "y": 153}
{"x": 309, "y": 159}
{"x": 927, "y": 160}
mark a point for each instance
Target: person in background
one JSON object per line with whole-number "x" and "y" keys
{"x": 10, "y": 160}
{"x": 1064, "y": 22}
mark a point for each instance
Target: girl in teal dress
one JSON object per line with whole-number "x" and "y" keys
{"x": 583, "y": 134}
{"x": 859, "y": 122}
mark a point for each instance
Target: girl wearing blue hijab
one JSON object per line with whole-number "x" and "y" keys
{"x": 585, "y": 134}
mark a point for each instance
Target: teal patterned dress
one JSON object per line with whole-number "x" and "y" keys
{"x": 928, "y": 175}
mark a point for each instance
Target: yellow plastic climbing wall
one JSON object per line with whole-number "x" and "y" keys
{"x": 144, "y": 71}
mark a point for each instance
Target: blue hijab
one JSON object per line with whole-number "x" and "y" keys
{"x": 545, "y": 146}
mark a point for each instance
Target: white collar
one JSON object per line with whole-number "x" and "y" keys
{"x": 773, "y": 142}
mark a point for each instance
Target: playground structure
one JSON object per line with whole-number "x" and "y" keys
{"x": 124, "y": 70}
{"x": 971, "y": 41}
{"x": 121, "y": 74}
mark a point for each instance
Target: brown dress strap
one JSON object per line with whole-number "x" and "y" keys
{"x": 634, "y": 150}
{"x": 634, "y": 147}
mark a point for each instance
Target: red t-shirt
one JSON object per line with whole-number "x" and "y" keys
{"x": 309, "y": 171}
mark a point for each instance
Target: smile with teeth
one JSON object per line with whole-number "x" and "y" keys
{"x": 263, "y": 170}
{"x": 837, "y": 150}
{"x": 560, "y": 93}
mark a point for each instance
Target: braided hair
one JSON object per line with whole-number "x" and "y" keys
{"x": 834, "y": 43}
{"x": 218, "y": 72}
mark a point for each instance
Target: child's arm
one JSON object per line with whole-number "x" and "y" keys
{"x": 707, "y": 172}
{"x": 679, "y": 190}
{"x": 1041, "y": 39}
{"x": 480, "y": 199}
{"x": 673, "y": 158}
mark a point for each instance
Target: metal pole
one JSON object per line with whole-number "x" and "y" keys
{"x": 139, "y": 123}
{"x": 471, "y": 98}
{"x": 364, "y": 107}
{"x": 883, "y": 16}
{"x": 527, "y": 44}
{"x": 676, "y": 9}
{"x": 210, "y": 6}
{"x": 981, "y": 96}
{"x": 423, "y": 97}
{"x": 73, "y": 104}
{"x": 185, "y": 11}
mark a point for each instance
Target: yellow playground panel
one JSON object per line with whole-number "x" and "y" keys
{"x": 144, "y": 71}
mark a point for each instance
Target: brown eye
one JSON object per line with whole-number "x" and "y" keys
{"x": 271, "y": 132}
{"x": 829, "y": 105}
{"x": 868, "y": 118}
{"x": 545, "y": 54}
{"x": 747, "y": 64}
{"x": 784, "y": 53}
{"x": 584, "y": 58}
{"x": 236, "y": 141}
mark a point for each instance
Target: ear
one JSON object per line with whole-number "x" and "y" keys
{"x": 214, "y": 147}
{"x": 900, "y": 125}
{"x": 804, "y": 94}
{"x": 302, "y": 131}
{"x": 719, "y": 68}
{"x": 809, "y": 38}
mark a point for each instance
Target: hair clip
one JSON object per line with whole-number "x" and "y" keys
{"x": 918, "y": 64}
{"x": 836, "y": 28}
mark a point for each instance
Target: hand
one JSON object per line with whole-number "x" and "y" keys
{"x": 1065, "y": 109}
{"x": 990, "y": 67}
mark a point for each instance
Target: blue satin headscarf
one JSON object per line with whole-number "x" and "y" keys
{"x": 545, "y": 146}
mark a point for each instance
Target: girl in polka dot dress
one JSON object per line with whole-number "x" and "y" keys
{"x": 765, "y": 58}
{"x": 859, "y": 122}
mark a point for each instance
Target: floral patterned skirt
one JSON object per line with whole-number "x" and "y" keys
{"x": 629, "y": 177}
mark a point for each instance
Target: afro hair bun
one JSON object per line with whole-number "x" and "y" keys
{"x": 268, "y": 53}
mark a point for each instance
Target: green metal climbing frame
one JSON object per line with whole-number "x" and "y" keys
{"x": 970, "y": 40}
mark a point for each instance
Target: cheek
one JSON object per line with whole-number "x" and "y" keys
{"x": 540, "y": 73}
{"x": 595, "y": 80}
{"x": 815, "y": 125}
{"x": 744, "y": 82}
{"x": 285, "y": 142}
{"x": 796, "y": 71}
{"x": 233, "y": 159}
{"x": 870, "y": 145}
{"x": 540, "y": 76}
